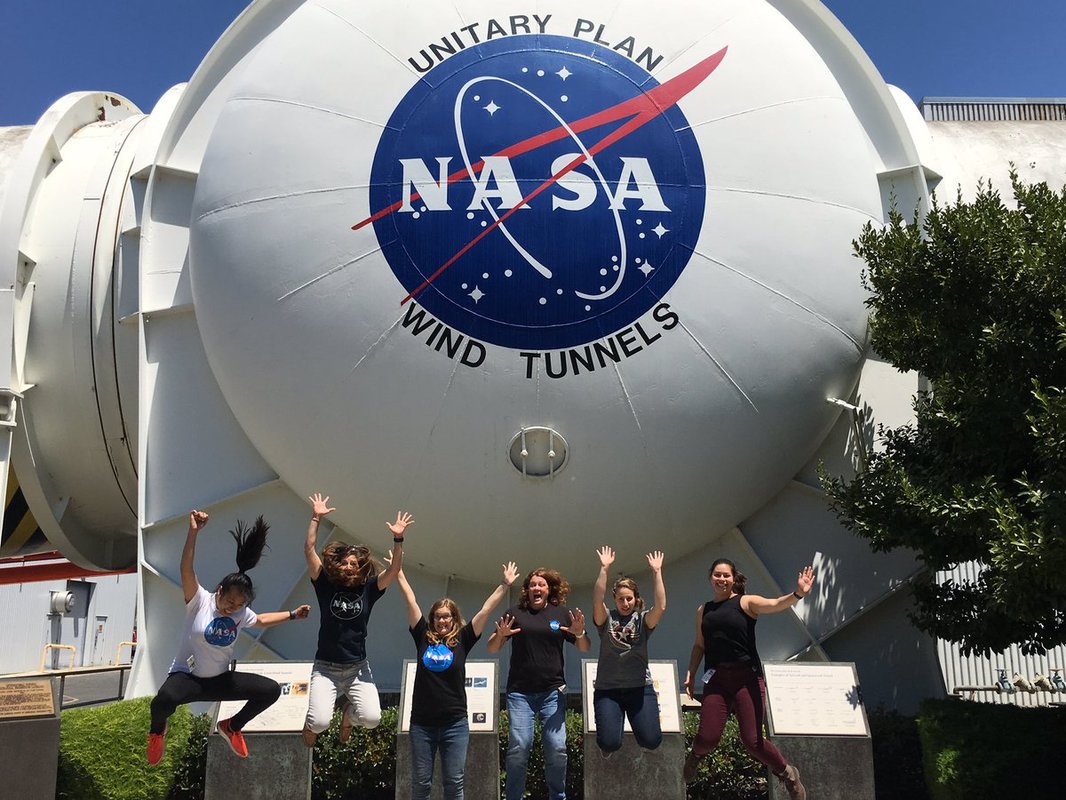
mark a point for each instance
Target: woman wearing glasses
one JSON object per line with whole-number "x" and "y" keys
{"x": 347, "y": 583}
{"x": 439, "y": 721}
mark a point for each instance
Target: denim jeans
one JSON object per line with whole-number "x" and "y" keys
{"x": 354, "y": 680}
{"x": 550, "y": 709}
{"x": 640, "y": 704}
{"x": 451, "y": 742}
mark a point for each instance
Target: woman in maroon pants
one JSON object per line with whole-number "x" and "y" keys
{"x": 732, "y": 678}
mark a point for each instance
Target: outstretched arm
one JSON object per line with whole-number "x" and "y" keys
{"x": 754, "y": 605}
{"x": 696, "y": 655}
{"x": 655, "y": 561}
{"x": 414, "y": 614}
{"x": 510, "y": 574}
{"x": 403, "y": 519}
{"x": 189, "y": 583}
{"x": 319, "y": 508}
{"x": 271, "y": 618}
{"x": 599, "y": 588}
{"x": 505, "y": 629}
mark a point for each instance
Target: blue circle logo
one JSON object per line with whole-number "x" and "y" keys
{"x": 554, "y": 625}
{"x": 538, "y": 192}
{"x": 221, "y": 632}
{"x": 437, "y": 658}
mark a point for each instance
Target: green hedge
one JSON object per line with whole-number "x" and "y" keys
{"x": 977, "y": 750}
{"x": 102, "y": 755}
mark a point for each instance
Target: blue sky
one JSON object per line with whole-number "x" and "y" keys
{"x": 139, "y": 48}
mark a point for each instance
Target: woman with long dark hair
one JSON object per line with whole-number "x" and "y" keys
{"x": 200, "y": 671}
{"x": 537, "y": 628}
{"x": 733, "y": 676}
{"x": 439, "y": 721}
{"x": 347, "y": 582}
{"x": 623, "y": 680}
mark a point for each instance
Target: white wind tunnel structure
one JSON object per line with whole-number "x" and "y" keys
{"x": 647, "y": 332}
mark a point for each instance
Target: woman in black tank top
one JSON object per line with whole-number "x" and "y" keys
{"x": 732, "y": 672}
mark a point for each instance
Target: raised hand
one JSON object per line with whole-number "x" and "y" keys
{"x": 510, "y": 573}
{"x": 301, "y": 612}
{"x": 197, "y": 520}
{"x": 403, "y": 519}
{"x": 577, "y": 620}
{"x": 505, "y": 627}
{"x": 804, "y": 581}
{"x": 320, "y": 505}
{"x": 655, "y": 560}
{"x": 606, "y": 555}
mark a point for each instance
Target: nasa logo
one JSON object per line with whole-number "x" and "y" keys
{"x": 345, "y": 605}
{"x": 437, "y": 658}
{"x": 539, "y": 192}
{"x": 221, "y": 632}
{"x": 554, "y": 625}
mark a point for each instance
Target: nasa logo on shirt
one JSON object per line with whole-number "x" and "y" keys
{"x": 346, "y": 605}
{"x": 539, "y": 192}
{"x": 438, "y": 657}
{"x": 554, "y": 625}
{"x": 221, "y": 632}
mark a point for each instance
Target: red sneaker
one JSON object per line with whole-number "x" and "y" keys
{"x": 157, "y": 745}
{"x": 235, "y": 739}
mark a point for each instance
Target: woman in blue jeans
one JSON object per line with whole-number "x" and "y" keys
{"x": 536, "y": 687}
{"x": 438, "y": 705}
{"x": 623, "y": 682}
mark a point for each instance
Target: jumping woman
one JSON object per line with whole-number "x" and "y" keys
{"x": 623, "y": 681}
{"x": 733, "y": 677}
{"x": 347, "y": 583}
{"x": 200, "y": 672}
{"x": 438, "y": 706}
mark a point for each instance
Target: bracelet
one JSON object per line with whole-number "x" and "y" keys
{"x": 797, "y": 595}
{"x": 397, "y": 539}
{"x": 292, "y": 615}
{"x": 316, "y": 519}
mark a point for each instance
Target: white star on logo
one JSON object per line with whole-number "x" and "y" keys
{"x": 646, "y": 268}
{"x": 492, "y": 108}
{"x": 477, "y": 294}
{"x": 659, "y": 230}
{"x": 564, "y": 73}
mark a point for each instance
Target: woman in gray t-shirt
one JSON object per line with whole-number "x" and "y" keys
{"x": 623, "y": 682}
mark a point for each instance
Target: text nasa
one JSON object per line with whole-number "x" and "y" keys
{"x": 625, "y": 343}
{"x": 477, "y": 32}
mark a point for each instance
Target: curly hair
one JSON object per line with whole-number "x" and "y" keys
{"x": 451, "y": 638}
{"x": 629, "y": 583}
{"x": 558, "y": 588}
{"x": 334, "y": 555}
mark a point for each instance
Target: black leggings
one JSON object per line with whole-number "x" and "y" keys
{"x": 181, "y": 687}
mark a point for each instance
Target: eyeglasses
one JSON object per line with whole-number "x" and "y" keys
{"x": 442, "y": 616}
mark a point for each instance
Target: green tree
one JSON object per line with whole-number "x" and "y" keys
{"x": 973, "y": 297}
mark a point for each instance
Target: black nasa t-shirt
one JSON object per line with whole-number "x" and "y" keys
{"x": 537, "y": 652}
{"x": 344, "y": 613}
{"x": 439, "y": 697}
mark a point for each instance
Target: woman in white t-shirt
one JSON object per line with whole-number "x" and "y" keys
{"x": 200, "y": 671}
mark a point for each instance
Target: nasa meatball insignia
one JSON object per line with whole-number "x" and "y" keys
{"x": 532, "y": 196}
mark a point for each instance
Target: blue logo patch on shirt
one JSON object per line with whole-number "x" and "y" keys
{"x": 221, "y": 632}
{"x": 554, "y": 625}
{"x": 437, "y": 658}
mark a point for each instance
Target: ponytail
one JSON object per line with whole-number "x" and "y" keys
{"x": 250, "y": 544}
